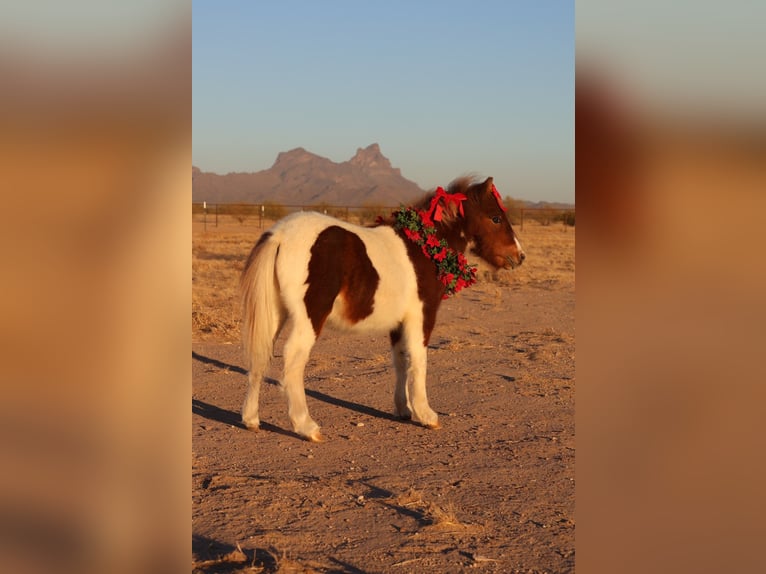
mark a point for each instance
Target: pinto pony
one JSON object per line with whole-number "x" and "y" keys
{"x": 314, "y": 270}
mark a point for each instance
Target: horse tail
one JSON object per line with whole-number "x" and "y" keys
{"x": 262, "y": 314}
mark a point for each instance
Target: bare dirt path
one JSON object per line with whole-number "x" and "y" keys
{"x": 491, "y": 491}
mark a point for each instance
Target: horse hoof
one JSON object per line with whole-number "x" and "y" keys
{"x": 316, "y": 436}
{"x": 405, "y": 417}
{"x": 252, "y": 426}
{"x": 433, "y": 426}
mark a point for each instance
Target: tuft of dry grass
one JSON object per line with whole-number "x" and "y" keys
{"x": 228, "y": 561}
{"x": 237, "y": 562}
{"x": 442, "y": 517}
{"x": 410, "y": 498}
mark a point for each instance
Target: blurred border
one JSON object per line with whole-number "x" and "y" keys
{"x": 95, "y": 150}
{"x": 95, "y": 156}
{"x": 670, "y": 180}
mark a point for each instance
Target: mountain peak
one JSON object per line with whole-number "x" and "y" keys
{"x": 295, "y": 156}
{"x": 370, "y": 157}
{"x": 299, "y": 177}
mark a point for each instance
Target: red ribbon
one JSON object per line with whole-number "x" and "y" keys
{"x": 436, "y": 210}
{"x": 498, "y": 198}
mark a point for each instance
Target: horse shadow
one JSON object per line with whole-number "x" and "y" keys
{"x": 217, "y": 363}
{"x": 389, "y": 499}
{"x": 232, "y": 418}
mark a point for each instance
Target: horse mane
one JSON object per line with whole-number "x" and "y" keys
{"x": 461, "y": 184}
{"x": 457, "y": 185}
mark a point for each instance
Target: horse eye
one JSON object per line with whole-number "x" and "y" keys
{"x": 496, "y": 219}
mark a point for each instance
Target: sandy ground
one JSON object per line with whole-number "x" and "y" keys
{"x": 491, "y": 491}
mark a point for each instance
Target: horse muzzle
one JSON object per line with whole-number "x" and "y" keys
{"x": 514, "y": 262}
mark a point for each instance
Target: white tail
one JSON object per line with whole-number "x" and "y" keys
{"x": 262, "y": 319}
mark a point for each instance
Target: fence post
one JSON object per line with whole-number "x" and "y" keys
{"x": 260, "y": 217}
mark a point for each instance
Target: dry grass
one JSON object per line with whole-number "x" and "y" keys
{"x": 219, "y": 253}
{"x": 238, "y": 562}
{"x": 444, "y": 517}
{"x": 441, "y": 517}
{"x": 218, "y": 257}
{"x": 228, "y": 561}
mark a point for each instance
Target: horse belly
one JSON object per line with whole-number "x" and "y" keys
{"x": 388, "y": 311}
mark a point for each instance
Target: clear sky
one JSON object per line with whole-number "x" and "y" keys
{"x": 445, "y": 87}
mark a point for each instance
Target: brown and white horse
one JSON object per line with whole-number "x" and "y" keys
{"x": 314, "y": 270}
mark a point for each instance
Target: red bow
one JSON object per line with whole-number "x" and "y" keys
{"x": 498, "y": 198}
{"x": 436, "y": 210}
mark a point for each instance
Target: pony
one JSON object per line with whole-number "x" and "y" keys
{"x": 315, "y": 271}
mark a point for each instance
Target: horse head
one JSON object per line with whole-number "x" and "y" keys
{"x": 486, "y": 224}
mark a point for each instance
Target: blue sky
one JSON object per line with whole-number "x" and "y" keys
{"x": 446, "y": 88}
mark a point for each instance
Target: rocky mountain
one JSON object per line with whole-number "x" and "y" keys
{"x": 299, "y": 177}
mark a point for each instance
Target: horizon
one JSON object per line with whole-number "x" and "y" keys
{"x": 426, "y": 190}
{"x": 444, "y": 89}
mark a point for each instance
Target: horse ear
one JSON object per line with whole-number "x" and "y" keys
{"x": 490, "y": 189}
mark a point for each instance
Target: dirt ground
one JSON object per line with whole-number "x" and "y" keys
{"x": 491, "y": 491}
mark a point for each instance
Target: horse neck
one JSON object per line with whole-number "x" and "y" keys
{"x": 453, "y": 233}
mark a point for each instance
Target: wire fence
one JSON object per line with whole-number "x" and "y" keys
{"x": 260, "y": 214}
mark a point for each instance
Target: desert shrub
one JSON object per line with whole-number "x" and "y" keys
{"x": 541, "y": 216}
{"x": 274, "y": 210}
{"x": 515, "y": 207}
{"x": 567, "y": 218}
{"x": 514, "y": 215}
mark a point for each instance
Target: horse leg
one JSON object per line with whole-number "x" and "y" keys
{"x": 416, "y": 377}
{"x": 259, "y": 364}
{"x": 297, "y": 348}
{"x": 250, "y": 416}
{"x": 399, "y": 355}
